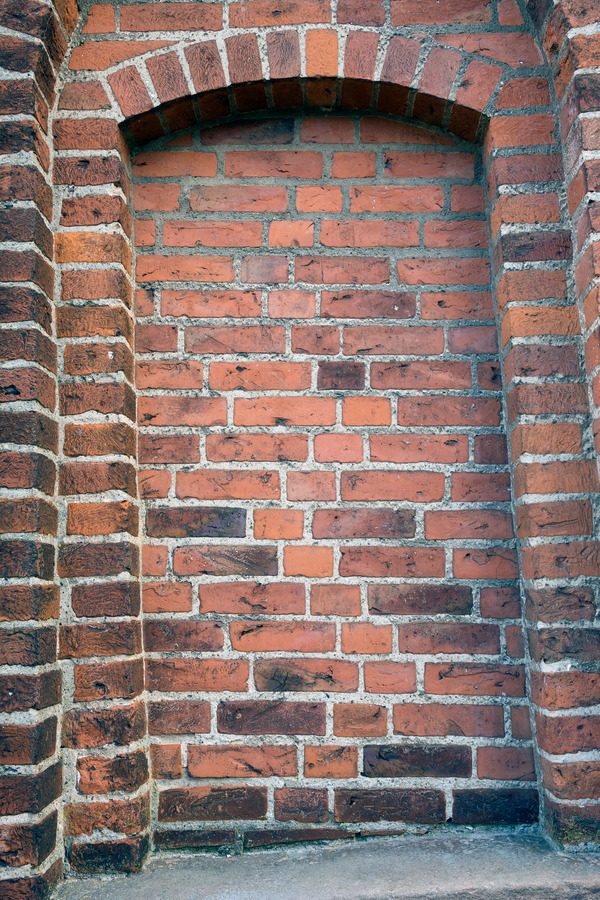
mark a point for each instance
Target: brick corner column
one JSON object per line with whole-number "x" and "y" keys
{"x": 548, "y": 307}
{"x": 105, "y": 731}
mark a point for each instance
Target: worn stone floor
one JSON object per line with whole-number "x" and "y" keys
{"x": 484, "y": 864}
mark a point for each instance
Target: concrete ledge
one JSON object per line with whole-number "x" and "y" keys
{"x": 484, "y": 865}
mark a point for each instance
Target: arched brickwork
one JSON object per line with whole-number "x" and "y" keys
{"x": 467, "y": 80}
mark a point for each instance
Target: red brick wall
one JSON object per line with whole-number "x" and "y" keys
{"x": 154, "y": 69}
{"x": 329, "y": 547}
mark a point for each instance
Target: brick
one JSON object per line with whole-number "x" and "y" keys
{"x": 167, "y": 597}
{"x": 389, "y": 804}
{"x": 359, "y": 719}
{"x": 271, "y": 717}
{"x": 434, "y": 719}
{"x": 192, "y": 839}
{"x": 338, "y": 447}
{"x": 335, "y": 600}
{"x": 21, "y": 602}
{"x": 301, "y": 804}
{"x": 188, "y": 268}
{"x": 493, "y": 524}
{"x": 421, "y": 637}
{"x": 103, "y": 681}
{"x": 500, "y": 603}
{"x": 296, "y": 637}
{"x": 397, "y": 341}
{"x": 30, "y": 793}
{"x": 196, "y": 675}
{"x": 109, "y": 599}
{"x": 212, "y": 803}
{"x": 208, "y": 484}
{"x": 27, "y": 744}
{"x": 308, "y": 561}
{"x": 263, "y": 447}
{"x": 273, "y": 164}
{"x": 99, "y": 775}
{"x": 453, "y": 411}
{"x": 341, "y": 270}
{"x": 165, "y": 635}
{"x": 362, "y": 637}
{"x": 252, "y": 597}
{"x": 178, "y": 717}
{"x": 383, "y": 677}
{"x": 506, "y": 763}
{"x": 418, "y": 448}
{"x": 493, "y": 562}
{"x": 239, "y": 761}
{"x": 449, "y": 270}
{"x": 416, "y": 487}
{"x": 495, "y": 807}
{"x": 99, "y": 639}
{"x": 474, "y": 679}
{"x": 26, "y": 559}
{"x": 395, "y": 198}
{"x": 415, "y": 376}
{"x": 124, "y": 816}
{"x": 395, "y": 562}
{"x": 397, "y": 761}
{"x": 212, "y": 234}
{"x": 363, "y": 523}
{"x": 157, "y": 17}
{"x": 271, "y": 411}
{"x": 248, "y": 339}
{"x": 283, "y": 675}
{"x": 415, "y": 599}
{"x": 118, "y": 725}
{"x": 571, "y": 781}
{"x": 311, "y": 486}
{"x": 28, "y": 844}
{"x": 96, "y": 56}
{"x": 225, "y": 559}
{"x": 22, "y": 692}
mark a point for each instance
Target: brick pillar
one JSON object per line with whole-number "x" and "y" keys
{"x": 99, "y": 555}
{"x": 31, "y": 51}
{"x": 546, "y": 337}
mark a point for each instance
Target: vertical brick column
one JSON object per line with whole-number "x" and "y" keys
{"x": 106, "y": 783}
{"x": 555, "y": 481}
{"x": 32, "y": 46}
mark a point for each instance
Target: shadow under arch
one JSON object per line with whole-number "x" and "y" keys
{"x": 349, "y": 95}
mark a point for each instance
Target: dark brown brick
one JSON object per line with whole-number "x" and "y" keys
{"x": 22, "y": 692}
{"x": 123, "y": 856}
{"x": 495, "y": 807}
{"x": 194, "y": 839}
{"x": 389, "y": 804}
{"x": 30, "y": 793}
{"x": 270, "y": 717}
{"x": 78, "y": 560}
{"x": 117, "y": 598}
{"x": 201, "y": 804}
{"x": 405, "y": 761}
{"x": 196, "y": 522}
{"x": 22, "y": 845}
{"x": 27, "y": 744}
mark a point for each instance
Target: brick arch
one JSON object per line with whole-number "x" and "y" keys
{"x": 161, "y": 89}
{"x": 536, "y": 313}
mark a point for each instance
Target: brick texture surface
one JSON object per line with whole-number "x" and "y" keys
{"x": 351, "y": 487}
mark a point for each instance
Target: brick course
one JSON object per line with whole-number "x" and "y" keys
{"x": 330, "y": 434}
